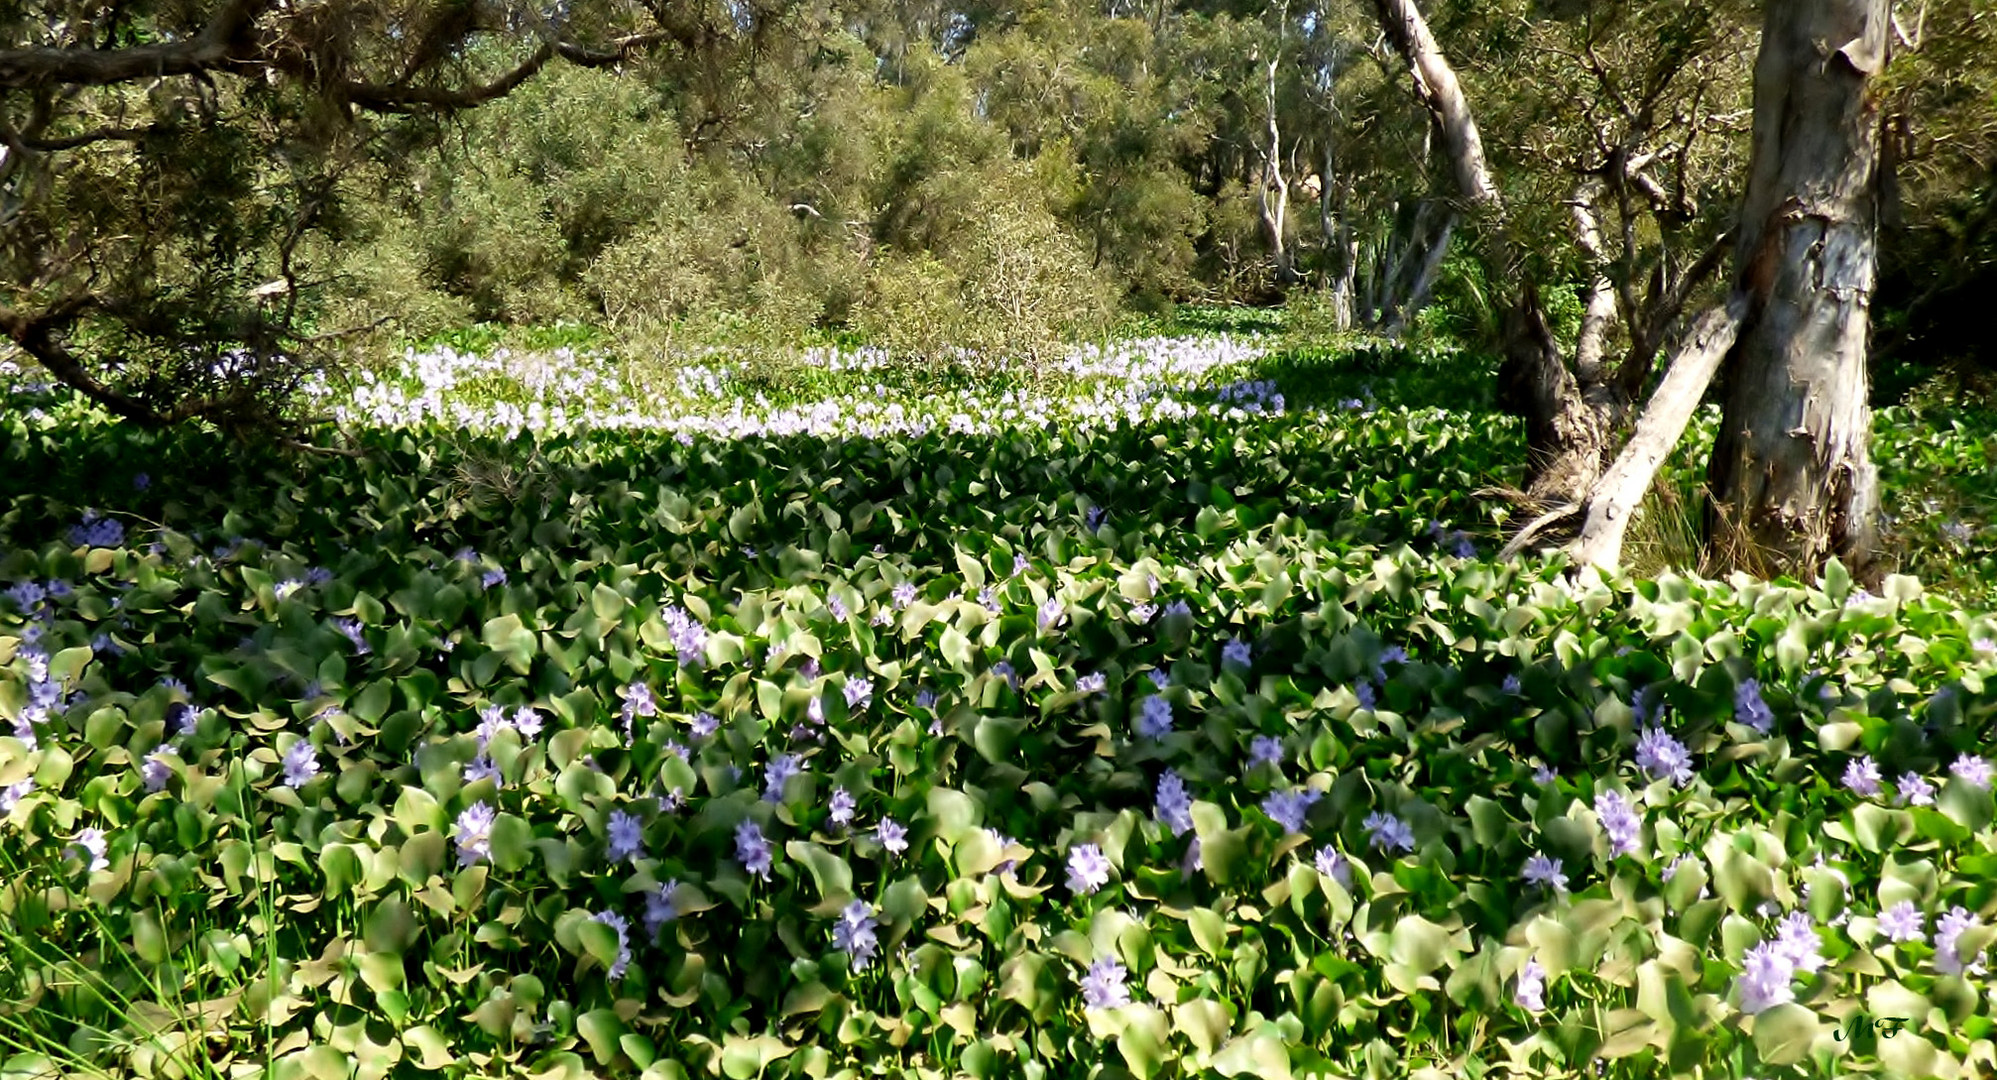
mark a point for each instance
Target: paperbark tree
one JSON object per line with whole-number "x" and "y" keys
{"x": 1576, "y": 407}
{"x": 1791, "y": 479}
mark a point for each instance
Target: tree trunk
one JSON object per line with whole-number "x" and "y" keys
{"x": 1792, "y": 482}
{"x": 1618, "y": 493}
{"x": 1274, "y": 193}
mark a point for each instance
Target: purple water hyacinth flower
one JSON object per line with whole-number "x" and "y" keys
{"x": 626, "y": 835}
{"x": 301, "y": 763}
{"x": 1174, "y": 807}
{"x": 141, "y": 481}
{"x": 1984, "y": 645}
{"x": 1512, "y": 684}
{"x": 352, "y": 629}
{"x": 859, "y": 692}
{"x": 1159, "y": 679}
{"x": 1972, "y": 770}
{"x": 1236, "y": 653}
{"x": 836, "y": 607}
{"x": 1091, "y": 683}
{"x": 778, "y": 773}
{"x": 491, "y": 578}
{"x": 1051, "y": 614}
{"x": 903, "y": 595}
{"x": 1289, "y": 808}
{"x": 882, "y": 617}
{"x": 1333, "y": 865}
{"x": 527, "y": 722}
{"x": 1764, "y": 981}
{"x": 1389, "y": 832}
{"x": 1002, "y": 841}
{"x": 24, "y": 730}
{"x": 1861, "y": 775}
{"x": 617, "y": 922}
{"x": 1102, "y": 987}
{"x": 1004, "y": 670}
{"x": 318, "y": 575}
{"x": 286, "y": 587}
{"x": 1265, "y": 750}
{"x": 1530, "y": 993}
{"x": 12, "y": 794}
{"x": 925, "y": 698}
{"x": 97, "y": 532}
{"x": 94, "y": 846}
{"x": 1620, "y": 821}
{"x": 891, "y": 835}
{"x": 1094, "y": 517}
{"x": 1948, "y": 936}
{"x": 1914, "y": 790}
{"x": 1192, "y": 861}
{"x": 705, "y": 724}
{"x": 1662, "y": 756}
{"x": 853, "y": 934}
{"x": 1544, "y": 775}
{"x": 1796, "y": 939}
{"x": 1903, "y": 922}
{"x": 689, "y": 636}
{"x": 1088, "y": 869}
{"x": 474, "y": 833}
{"x": 1154, "y": 720}
{"x": 672, "y": 802}
{"x": 26, "y": 595}
{"x": 1671, "y": 871}
{"x": 752, "y": 850}
{"x": 1363, "y": 690}
{"x": 988, "y": 599}
{"x": 843, "y": 806}
{"x": 182, "y": 716}
{"x": 491, "y": 720}
{"x": 155, "y": 771}
{"x": 1178, "y": 607}
{"x": 814, "y": 710}
{"x": 1142, "y": 613}
{"x": 1544, "y": 870}
{"x": 1749, "y": 709}
{"x": 483, "y": 767}
{"x": 661, "y": 907}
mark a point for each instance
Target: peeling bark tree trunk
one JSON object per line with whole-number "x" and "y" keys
{"x": 1616, "y": 496}
{"x": 1274, "y": 194}
{"x": 1792, "y": 482}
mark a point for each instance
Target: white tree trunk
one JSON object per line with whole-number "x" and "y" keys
{"x": 1792, "y": 480}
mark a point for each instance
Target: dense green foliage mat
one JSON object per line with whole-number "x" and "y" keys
{"x": 1179, "y": 747}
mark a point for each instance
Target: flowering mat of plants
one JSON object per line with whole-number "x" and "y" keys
{"x": 1160, "y": 732}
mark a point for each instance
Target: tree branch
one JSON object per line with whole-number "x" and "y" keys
{"x": 24, "y": 68}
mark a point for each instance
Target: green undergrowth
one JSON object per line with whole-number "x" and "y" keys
{"x": 463, "y": 757}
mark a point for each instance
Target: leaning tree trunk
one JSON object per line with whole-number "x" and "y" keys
{"x": 1792, "y": 482}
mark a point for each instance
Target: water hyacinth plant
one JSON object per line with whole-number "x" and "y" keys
{"x": 834, "y": 739}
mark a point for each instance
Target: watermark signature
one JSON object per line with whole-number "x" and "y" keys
{"x": 1866, "y": 1023}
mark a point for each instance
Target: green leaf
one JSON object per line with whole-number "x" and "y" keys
{"x": 601, "y": 1029}
{"x": 1419, "y": 945}
{"x": 512, "y": 842}
{"x": 507, "y": 637}
{"x": 1783, "y": 1034}
{"x": 829, "y": 872}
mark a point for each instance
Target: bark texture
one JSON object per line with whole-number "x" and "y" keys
{"x": 1792, "y": 482}
{"x": 1436, "y": 85}
{"x": 1618, "y": 493}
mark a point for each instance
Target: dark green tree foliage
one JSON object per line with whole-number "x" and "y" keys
{"x": 174, "y": 172}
